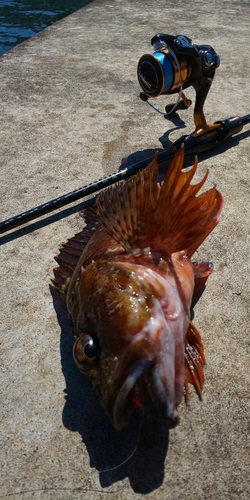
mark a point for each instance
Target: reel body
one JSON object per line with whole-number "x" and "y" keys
{"x": 176, "y": 64}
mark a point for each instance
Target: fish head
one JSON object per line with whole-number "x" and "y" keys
{"x": 130, "y": 328}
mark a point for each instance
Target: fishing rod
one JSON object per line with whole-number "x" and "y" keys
{"x": 192, "y": 145}
{"x": 175, "y": 65}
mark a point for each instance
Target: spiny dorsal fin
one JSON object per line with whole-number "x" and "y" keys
{"x": 139, "y": 213}
{"x": 125, "y": 210}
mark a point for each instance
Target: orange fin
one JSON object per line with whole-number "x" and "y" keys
{"x": 194, "y": 361}
{"x": 201, "y": 272}
{"x": 139, "y": 213}
{"x": 202, "y": 269}
{"x": 126, "y": 209}
{"x": 72, "y": 250}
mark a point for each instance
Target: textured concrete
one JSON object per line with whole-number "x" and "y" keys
{"x": 69, "y": 112}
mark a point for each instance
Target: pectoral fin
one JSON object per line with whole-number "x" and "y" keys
{"x": 202, "y": 271}
{"x": 194, "y": 361}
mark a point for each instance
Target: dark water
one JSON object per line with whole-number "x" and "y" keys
{"x": 23, "y": 19}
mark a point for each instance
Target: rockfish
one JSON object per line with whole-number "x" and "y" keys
{"x": 128, "y": 282}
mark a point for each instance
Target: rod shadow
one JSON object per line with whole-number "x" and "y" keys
{"x": 188, "y": 159}
{"x": 131, "y": 160}
{"x": 107, "y": 448}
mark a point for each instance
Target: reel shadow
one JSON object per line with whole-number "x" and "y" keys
{"x": 138, "y": 156}
{"x": 108, "y": 448}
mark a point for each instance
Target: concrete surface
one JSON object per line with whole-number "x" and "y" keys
{"x": 69, "y": 112}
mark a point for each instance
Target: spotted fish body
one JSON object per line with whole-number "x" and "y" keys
{"x": 128, "y": 282}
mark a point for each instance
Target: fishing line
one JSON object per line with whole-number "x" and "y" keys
{"x": 134, "y": 450}
{"x": 174, "y": 107}
{"x": 155, "y": 109}
{"x": 171, "y": 52}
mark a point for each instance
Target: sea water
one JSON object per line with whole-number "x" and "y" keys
{"x": 23, "y": 19}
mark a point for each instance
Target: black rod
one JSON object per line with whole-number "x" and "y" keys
{"x": 192, "y": 144}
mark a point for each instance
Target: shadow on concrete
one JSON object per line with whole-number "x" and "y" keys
{"x": 131, "y": 160}
{"x": 189, "y": 159}
{"x": 106, "y": 447}
{"x": 49, "y": 219}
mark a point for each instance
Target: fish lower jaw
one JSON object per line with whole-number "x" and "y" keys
{"x": 172, "y": 418}
{"x": 141, "y": 387}
{"x": 122, "y": 412}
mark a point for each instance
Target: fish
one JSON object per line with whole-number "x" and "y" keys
{"x": 129, "y": 284}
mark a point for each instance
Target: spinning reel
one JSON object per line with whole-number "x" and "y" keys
{"x": 177, "y": 64}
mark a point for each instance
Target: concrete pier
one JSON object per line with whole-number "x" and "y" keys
{"x": 70, "y": 111}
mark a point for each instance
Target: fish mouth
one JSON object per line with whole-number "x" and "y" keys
{"x": 124, "y": 404}
{"x": 151, "y": 367}
{"x": 143, "y": 382}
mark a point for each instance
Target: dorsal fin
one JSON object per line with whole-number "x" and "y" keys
{"x": 125, "y": 210}
{"x": 139, "y": 213}
{"x": 71, "y": 251}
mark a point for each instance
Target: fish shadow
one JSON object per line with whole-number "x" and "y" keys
{"x": 82, "y": 412}
{"x": 146, "y": 437}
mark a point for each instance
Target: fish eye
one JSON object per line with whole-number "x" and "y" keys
{"x": 85, "y": 351}
{"x": 90, "y": 350}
